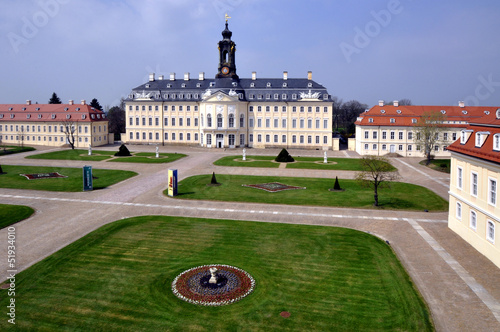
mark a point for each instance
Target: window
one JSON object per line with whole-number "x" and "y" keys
{"x": 131, "y": 121}
{"x": 496, "y": 142}
{"x": 325, "y": 109}
{"x": 242, "y": 121}
{"x": 259, "y": 123}
{"x": 301, "y": 123}
{"x": 209, "y": 123}
{"x": 400, "y": 135}
{"x": 276, "y": 123}
{"x": 268, "y": 108}
{"x": 392, "y": 135}
{"x": 490, "y": 231}
{"x": 410, "y": 135}
{"x": 276, "y": 107}
{"x": 165, "y": 122}
{"x": 473, "y": 184}
{"x": 374, "y": 147}
{"x": 317, "y": 139}
{"x": 283, "y": 123}
{"x": 325, "y": 123}
{"x": 374, "y": 135}
{"x": 173, "y": 122}
{"x": 259, "y": 108}
{"x": 219, "y": 120}
{"x": 384, "y": 147}
{"x": 231, "y": 120}
{"x": 454, "y": 136}
{"x": 250, "y": 138}
{"x": 370, "y": 120}
{"x": 445, "y": 136}
{"x": 157, "y": 121}
{"x": 188, "y": 122}
{"x": 283, "y": 138}
{"x": 173, "y": 136}
{"x": 275, "y": 139}
{"x": 384, "y": 135}
{"x": 259, "y": 138}
{"x": 294, "y": 123}
{"x": 393, "y": 120}
{"x": 181, "y": 122}
{"x": 459, "y": 211}
{"x": 166, "y": 136}
{"x": 250, "y": 122}
{"x": 196, "y": 122}
{"x": 301, "y": 109}
{"x": 366, "y": 146}
{"x": 250, "y": 109}
{"x": 409, "y": 148}
{"x": 325, "y": 139}
{"x": 301, "y": 139}
{"x": 283, "y": 109}
{"x": 400, "y": 147}
{"x": 317, "y": 123}
{"x": 309, "y": 123}
{"x": 242, "y": 139}
{"x": 473, "y": 220}
{"x": 492, "y": 192}
{"x": 268, "y": 138}
{"x": 143, "y": 121}
{"x": 367, "y": 134}
{"x": 294, "y": 139}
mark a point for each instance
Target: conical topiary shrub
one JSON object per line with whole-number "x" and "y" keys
{"x": 284, "y": 157}
{"x": 1, "y": 170}
{"x": 213, "y": 182}
{"x": 336, "y": 186}
{"x": 123, "y": 151}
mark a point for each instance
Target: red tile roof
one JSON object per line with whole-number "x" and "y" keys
{"x": 405, "y": 115}
{"x": 489, "y": 123}
{"x": 50, "y": 113}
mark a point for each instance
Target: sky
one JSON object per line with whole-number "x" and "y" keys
{"x": 431, "y": 52}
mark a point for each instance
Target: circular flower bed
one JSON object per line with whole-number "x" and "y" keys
{"x": 232, "y": 285}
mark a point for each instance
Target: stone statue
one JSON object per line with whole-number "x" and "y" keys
{"x": 90, "y": 150}
{"x": 325, "y": 159}
{"x": 244, "y": 154}
{"x": 213, "y": 278}
{"x": 157, "y": 154}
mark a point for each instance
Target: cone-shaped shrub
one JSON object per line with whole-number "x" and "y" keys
{"x": 284, "y": 157}
{"x": 123, "y": 151}
{"x": 214, "y": 180}
{"x": 1, "y": 170}
{"x": 336, "y": 186}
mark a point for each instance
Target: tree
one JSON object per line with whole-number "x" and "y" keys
{"x": 405, "y": 102}
{"x": 336, "y": 107}
{"x": 284, "y": 157}
{"x": 377, "y": 173}
{"x": 95, "y": 104}
{"x": 123, "y": 151}
{"x": 348, "y": 114}
{"x": 116, "y": 121}
{"x": 427, "y": 130}
{"x": 69, "y": 129}
{"x": 54, "y": 99}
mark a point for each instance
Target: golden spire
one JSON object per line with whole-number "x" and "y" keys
{"x": 227, "y": 17}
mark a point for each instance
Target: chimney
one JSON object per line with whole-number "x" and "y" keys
{"x": 380, "y": 103}
{"x": 172, "y": 76}
{"x": 395, "y": 103}
{"x": 83, "y": 102}
{"x": 254, "y": 75}
{"x": 186, "y": 76}
{"x": 161, "y": 77}
{"x": 201, "y": 76}
{"x": 310, "y": 75}
{"x": 28, "y": 102}
{"x": 71, "y": 102}
{"x": 461, "y": 104}
{"x": 285, "y": 75}
{"x": 152, "y": 77}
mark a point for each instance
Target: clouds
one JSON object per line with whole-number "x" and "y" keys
{"x": 432, "y": 53}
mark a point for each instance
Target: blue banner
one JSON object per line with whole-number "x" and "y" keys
{"x": 87, "y": 178}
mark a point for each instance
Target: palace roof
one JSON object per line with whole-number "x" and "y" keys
{"x": 50, "y": 112}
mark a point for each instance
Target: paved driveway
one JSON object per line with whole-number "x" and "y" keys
{"x": 458, "y": 283}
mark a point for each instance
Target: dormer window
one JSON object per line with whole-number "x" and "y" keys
{"x": 28, "y": 116}
{"x": 498, "y": 113}
{"x": 198, "y": 85}
{"x": 294, "y": 96}
{"x": 92, "y": 116}
{"x": 10, "y": 108}
{"x": 464, "y": 135}
{"x": 487, "y": 112}
{"x": 276, "y": 96}
{"x": 183, "y": 85}
{"x": 169, "y": 86}
{"x": 212, "y": 84}
{"x": 393, "y": 120}
{"x": 413, "y": 120}
{"x": 268, "y": 84}
{"x": 12, "y": 116}
{"x": 480, "y": 138}
{"x": 370, "y": 120}
{"x": 398, "y": 111}
{"x": 464, "y": 112}
{"x": 235, "y": 84}
{"x": 77, "y": 109}
{"x": 147, "y": 86}
{"x": 68, "y": 116}
{"x": 309, "y": 85}
{"x": 382, "y": 111}
{"x": 443, "y": 112}
{"x": 66, "y": 109}
{"x": 283, "y": 96}
{"x": 83, "y": 116}
{"x": 39, "y": 116}
{"x": 285, "y": 85}
{"x": 325, "y": 96}
{"x": 1, "y": 116}
{"x": 268, "y": 96}
{"x": 24, "y": 108}
{"x": 252, "y": 85}
{"x": 53, "y": 116}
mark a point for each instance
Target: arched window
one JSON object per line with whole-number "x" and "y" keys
{"x": 219, "y": 120}
{"x": 231, "y": 120}
{"x": 242, "y": 121}
{"x": 490, "y": 231}
{"x": 209, "y": 120}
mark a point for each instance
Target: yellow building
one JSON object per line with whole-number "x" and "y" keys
{"x": 46, "y": 124}
{"x": 474, "y": 212}
{"x": 391, "y": 128}
{"x": 228, "y": 111}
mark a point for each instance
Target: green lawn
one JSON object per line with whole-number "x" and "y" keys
{"x": 401, "y": 196}
{"x": 8, "y": 149}
{"x": 72, "y": 183}
{"x": 118, "y": 278}
{"x": 10, "y": 214}
{"x": 98, "y": 155}
{"x": 346, "y": 164}
{"x": 440, "y": 165}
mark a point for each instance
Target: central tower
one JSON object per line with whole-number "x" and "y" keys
{"x": 227, "y": 49}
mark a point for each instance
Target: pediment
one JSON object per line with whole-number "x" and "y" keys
{"x": 214, "y": 96}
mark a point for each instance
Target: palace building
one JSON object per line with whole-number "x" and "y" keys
{"x": 474, "y": 212}
{"x": 47, "y": 124}
{"x": 228, "y": 111}
{"x": 391, "y": 128}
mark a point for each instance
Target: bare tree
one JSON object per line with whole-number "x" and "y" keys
{"x": 427, "y": 130}
{"x": 405, "y": 102}
{"x": 69, "y": 129}
{"x": 377, "y": 173}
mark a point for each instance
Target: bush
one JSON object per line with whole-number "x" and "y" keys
{"x": 284, "y": 157}
{"x": 214, "y": 180}
{"x": 336, "y": 186}
{"x": 123, "y": 151}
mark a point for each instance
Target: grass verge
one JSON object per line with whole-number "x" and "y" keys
{"x": 401, "y": 196}
{"x": 72, "y": 183}
{"x": 119, "y": 277}
{"x": 98, "y": 155}
{"x": 10, "y": 149}
{"x": 345, "y": 164}
{"x": 10, "y": 214}
{"x": 440, "y": 165}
